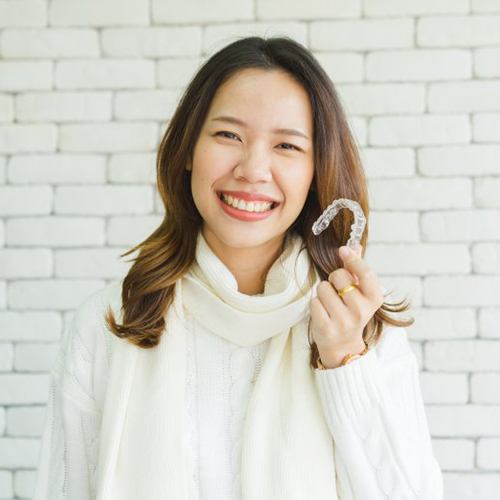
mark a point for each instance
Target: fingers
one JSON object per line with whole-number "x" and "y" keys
{"x": 331, "y": 300}
{"x": 367, "y": 279}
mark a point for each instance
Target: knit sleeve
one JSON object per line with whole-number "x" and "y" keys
{"x": 374, "y": 409}
{"x": 69, "y": 442}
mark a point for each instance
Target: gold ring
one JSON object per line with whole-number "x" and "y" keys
{"x": 346, "y": 289}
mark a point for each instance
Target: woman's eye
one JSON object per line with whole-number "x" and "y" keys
{"x": 225, "y": 132}
{"x": 292, "y": 147}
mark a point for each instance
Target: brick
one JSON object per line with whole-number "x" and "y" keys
{"x": 25, "y": 263}
{"x": 382, "y": 99}
{"x": 471, "y": 160}
{"x": 18, "y": 453}
{"x": 489, "y": 321}
{"x": 95, "y": 13}
{"x": 342, "y": 66}
{"x": 464, "y": 96}
{"x": 50, "y": 294}
{"x": 3, "y": 163}
{"x": 35, "y": 357}
{"x": 486, "y": 259}
{"x": 130, "y": 230}
{"x": 28, "y": 326}
{"x": 103, "y": 200}
{"x": 132, "y": 168}
{"x": 90, "y": 263}
{"x": 55, "y": 231}
{"x": 145, "y": 105}
{"x": 6, "y": 484}
{"x": 418, "y": 65}
{"x": 21, "y": 388}
{"x": 383, "y": 222}
{"x": 25, "y": 75}
{"x": 25, "y": 200}
{"x": 485, "y": 6}
{"x": 6, "y": 357}
{"x": 171, "y": 12}
{"x": 104, "y": 74}
{"x": 444, "y": 387}
{"x": 486, "y": 127}
{"x": 388, "y": 162}
{"x": 25, "y": 421}
{"x": 419, "y": 130}
{"x": 363, "y": 34}
{"x": 176, "y": 73}
{"x": 443, "y": 323}
{"x": 463, "y": 420}
{"x": 314, "y": 9}
{"x": 454, "y": 454}
{"x": 419, "y": 259}
{"x": 217, "y": 35}
{"x": 419, "y": 194}
{"x": 458, "y": 31}
{"x": 24, "y": 482}
{"x": 359, "y": 130}
{"x": 486, "y": 192}
{"x": 49, "y": 43}
{"x": 488, "y": 453}
{"x": 33, "y": 138}
{"x": 487, "y": 64}
{"x": 3, "y": 294}
{"x": 111, "y": 138}
{"x": 485, "y": 388}
{"x": 412, "y": 8}
{"x": 456, "y": 291}
{"x": 461, "y": 225}
{"x": 462, "y": 355}
{"x": 154, "y": 41}
{"x": 6, "y": 108}
{"x": 57, "y": 169}
{"x": 467, "y": 486}
{"x": 63, "y": 106}
{"x": 27, "y": 13}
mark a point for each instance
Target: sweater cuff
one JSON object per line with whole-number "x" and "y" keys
{"x": 351, "y": 390}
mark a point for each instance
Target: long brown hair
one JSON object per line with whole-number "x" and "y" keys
{"x": 168, "y": 252}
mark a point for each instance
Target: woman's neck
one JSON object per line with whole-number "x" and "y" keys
{"x": 249, "y": 265}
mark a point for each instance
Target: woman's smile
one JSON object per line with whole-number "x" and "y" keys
{"x": 245, "y": 215}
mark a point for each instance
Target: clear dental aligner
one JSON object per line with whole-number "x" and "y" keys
{"x": 332, "y": 210}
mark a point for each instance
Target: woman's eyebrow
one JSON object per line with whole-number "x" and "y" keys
{"x": 237, "y": 121}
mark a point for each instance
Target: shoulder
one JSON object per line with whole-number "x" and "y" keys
{"x": 393, "y": 342}
{"x": 88, "y": 320}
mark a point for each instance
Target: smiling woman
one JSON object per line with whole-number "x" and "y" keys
{"x": 195, "y": 376}
{"x": 263, "y": 108}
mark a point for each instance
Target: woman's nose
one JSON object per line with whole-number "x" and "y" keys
{"x": 254, "y": 168}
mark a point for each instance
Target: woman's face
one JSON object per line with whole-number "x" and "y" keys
{"x": 254, "y": 156}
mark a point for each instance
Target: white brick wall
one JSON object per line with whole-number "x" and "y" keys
{"x": 86, "y": 90}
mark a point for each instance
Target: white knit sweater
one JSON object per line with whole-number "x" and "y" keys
{"x": 385, "y": 447}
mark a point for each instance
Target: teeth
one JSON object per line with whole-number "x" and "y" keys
{"x": 251, "y": 206}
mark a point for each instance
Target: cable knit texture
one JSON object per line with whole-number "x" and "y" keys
{"x": 373, "y": 408}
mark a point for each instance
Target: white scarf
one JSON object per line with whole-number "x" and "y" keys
{"x": 287, "y": 448}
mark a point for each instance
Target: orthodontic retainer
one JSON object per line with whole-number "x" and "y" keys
{"x": 333, "y": 209}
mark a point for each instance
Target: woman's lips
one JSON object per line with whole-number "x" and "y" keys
{"x": 242, "y": 214}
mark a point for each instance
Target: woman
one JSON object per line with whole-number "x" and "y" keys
{"x": 242, "y": 356}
